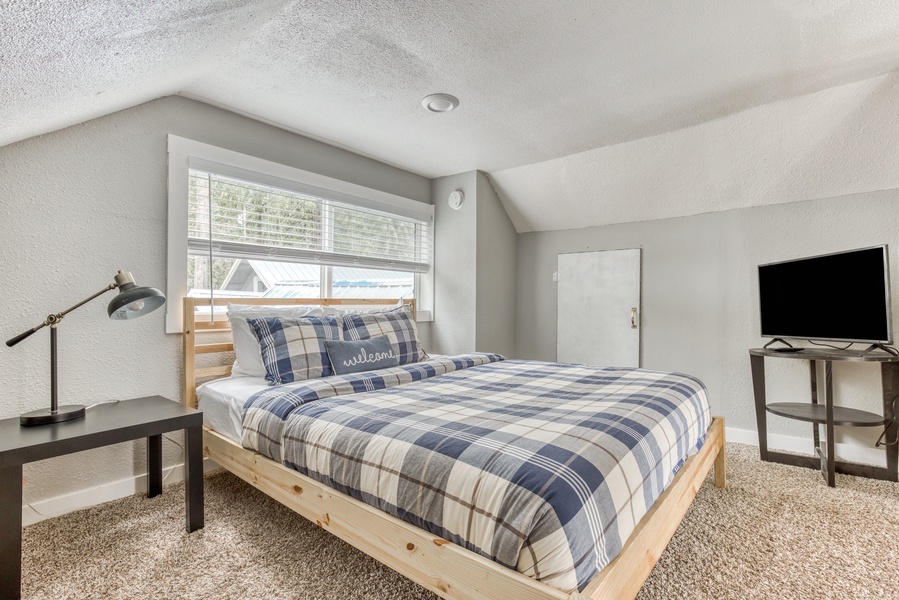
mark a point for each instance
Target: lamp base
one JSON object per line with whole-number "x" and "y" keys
{"x": 44, "y": 416}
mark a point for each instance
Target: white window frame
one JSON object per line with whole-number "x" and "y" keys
{"x": 184, "y": 154}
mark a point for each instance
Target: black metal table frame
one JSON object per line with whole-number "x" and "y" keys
{"x": 826, "y": 462}
{"x": 104, "y": 425}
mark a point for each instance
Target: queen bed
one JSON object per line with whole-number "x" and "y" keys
{"x": 473, "y": 475}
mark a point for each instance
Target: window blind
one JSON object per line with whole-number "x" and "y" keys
{"x": 230, "y": 217}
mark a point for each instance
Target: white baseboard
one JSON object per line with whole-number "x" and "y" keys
{"x": 54, "y": 507}
{"x": 847, "y": 452}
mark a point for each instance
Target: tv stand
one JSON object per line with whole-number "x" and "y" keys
{"x": 829, "y": 415}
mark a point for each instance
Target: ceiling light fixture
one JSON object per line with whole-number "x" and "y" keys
{"x": 440, "y": 103}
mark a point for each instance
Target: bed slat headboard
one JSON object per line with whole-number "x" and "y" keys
{"x": 194, "y": 326}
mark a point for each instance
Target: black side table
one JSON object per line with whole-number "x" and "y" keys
{"x": 103, "y": 425}
{"x": 827, "y": 414}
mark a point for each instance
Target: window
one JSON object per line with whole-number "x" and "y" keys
{"x": 244, "y": 227}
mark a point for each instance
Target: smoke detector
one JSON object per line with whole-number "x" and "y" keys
{"x": 440, "y": 103}
{"x": 455, "y": 199}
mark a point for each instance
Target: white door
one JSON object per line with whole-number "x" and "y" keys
{"x": 599, "y": 308}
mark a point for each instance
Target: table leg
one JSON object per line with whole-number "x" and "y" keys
{"x": 813, "y": 376}
{"x": 11, "y": 532}
{"x": 154, "y": 466}
{"x": 758, "y": 389}
{"x": 889, "y": 373}
{"x": 831, "y": 442}
{"x": 193, "y": 477}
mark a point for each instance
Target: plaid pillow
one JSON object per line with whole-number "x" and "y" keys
{"x": 398, "y": 325}
{"x": 293, "y": 349}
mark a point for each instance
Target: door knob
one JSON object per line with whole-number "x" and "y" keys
{"x": 633, "y": 318}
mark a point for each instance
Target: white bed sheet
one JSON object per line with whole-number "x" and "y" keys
{"x": 222, "y": 403}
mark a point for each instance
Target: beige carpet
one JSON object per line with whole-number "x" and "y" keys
{"x": 776, "y": 532}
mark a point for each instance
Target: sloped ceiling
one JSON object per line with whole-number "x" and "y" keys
{"x": 538, "y": 81}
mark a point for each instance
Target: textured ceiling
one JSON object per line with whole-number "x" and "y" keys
{"x": 65, "y": 62}
{"x": 537, "y": 80}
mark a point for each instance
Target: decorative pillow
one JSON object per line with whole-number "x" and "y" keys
{"x": 363, "y": 355}
{"x": 247, "y": 357}
{"x": 294, "y": 349}
{"x": 397, "y": 324}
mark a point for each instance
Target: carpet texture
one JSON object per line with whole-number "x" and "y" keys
{"x": 776, "y": 532}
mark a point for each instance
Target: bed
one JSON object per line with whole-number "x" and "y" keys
{"x": 484, "y": 388}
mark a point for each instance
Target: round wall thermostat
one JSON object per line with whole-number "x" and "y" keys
{"x": 455, "y": 199}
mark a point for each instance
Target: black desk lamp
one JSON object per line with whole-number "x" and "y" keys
{"x": 131, "y": 302}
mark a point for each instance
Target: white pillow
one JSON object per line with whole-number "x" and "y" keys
{"x": 247, "y": 355}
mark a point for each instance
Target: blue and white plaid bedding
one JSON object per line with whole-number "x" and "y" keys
{"x": 545, "y": 468}
{"x": 398, "y": 325}
{"x": 265, "y": 413}
{"x": 293, "y": 349}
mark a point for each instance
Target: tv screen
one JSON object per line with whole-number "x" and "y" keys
{"x": 837, "y": 297}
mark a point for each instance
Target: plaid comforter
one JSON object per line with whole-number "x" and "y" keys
{"x": 545, "y": 468}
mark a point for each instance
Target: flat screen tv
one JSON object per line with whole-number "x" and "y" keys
{"x": 843, "y": 297}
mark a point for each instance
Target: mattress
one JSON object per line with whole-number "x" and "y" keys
{"x": 222, "y": 403}
{"x": 223, "y": 400}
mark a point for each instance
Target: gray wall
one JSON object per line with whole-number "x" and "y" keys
{"x": 475, "y": 256}
{"x": 455, "y": 264}
{"x": 497, "y": 247}
{"x": 80, "y": 203}
{"x": 700, "y": 305}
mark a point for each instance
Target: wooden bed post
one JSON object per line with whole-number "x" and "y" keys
{"x": 720, "y": 460}
{"x": 190, "y": 355}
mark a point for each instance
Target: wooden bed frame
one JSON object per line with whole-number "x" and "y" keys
{"x": 446, "y": 569}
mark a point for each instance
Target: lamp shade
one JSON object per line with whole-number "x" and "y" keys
{"x": 133, "y": 301}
